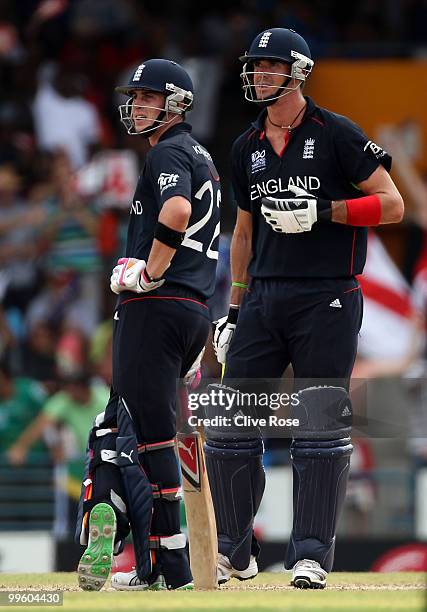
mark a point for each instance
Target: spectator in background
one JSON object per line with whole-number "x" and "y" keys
{"x": 404, "y": 141}
{"x": 18, "y": 223}
{"x": 72, "y": 296}
{"x": 54, "y": 306}
{"x": 7, "y": 339}
{"x": 75, "y": 406}
{"x": 17, "y": 146}
{"x": 63, "y": 119}
{"x": 21, "y": 399}
{"x": 101, "y": 352}
{"x": 37, "y": 356}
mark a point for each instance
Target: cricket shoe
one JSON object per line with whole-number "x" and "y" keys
{"x": 307, "y": 574}
{"x": 226, "y": 571}
{"x": 95, "y": 563}
{"x": 129, "y": 581}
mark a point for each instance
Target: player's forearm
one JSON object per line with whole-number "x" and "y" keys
{"x": 389, "y": 208}
{"x": 241, "y": 252}
{"x": 159, "y": 259}
{"x": 174, "y": 215}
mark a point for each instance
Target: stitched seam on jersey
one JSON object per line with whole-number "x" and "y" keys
{"x": 354, "y": 289}
{"x": 352, "y": 252}
{"x": 164, "y": 297}
{"x": 251, "y": 134}
{"x": 317, "y": 121}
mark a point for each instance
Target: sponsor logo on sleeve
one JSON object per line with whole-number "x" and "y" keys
{"x": 375, "y": 149}
{"x": 166, "y": 181}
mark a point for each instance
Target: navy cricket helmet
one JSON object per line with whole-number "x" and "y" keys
{"x": 278, "y": 44}
{"x": 162, "y": 76}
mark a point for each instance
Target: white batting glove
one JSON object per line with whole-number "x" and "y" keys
{"x": 193, "y": 376}
{"x": 130, "y": 275}
{"x": 223, "y": 334}
{"x": 296, "y": 213}
{"x": 115, "y": 285}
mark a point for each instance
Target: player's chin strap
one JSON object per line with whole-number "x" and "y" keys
{"x": 155, "y": 125}
{"x": 265, "y": 102}
{"x": 270, "y": 100}
{"x": 159, "y": 120}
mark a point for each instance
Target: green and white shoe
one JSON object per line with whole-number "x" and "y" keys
{"x": 129, "y": 581}
{"x": 160, "y": 585}
{"x": 186, "y": 587}
{"x": 95, "y": 563}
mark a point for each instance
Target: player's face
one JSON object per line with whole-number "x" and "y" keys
{"x": 146, "y": 106}
{"x": 268, "y": 76}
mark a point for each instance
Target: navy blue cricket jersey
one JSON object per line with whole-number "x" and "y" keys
{"x": 327, "y": 155}
{"x": 179, "y": 166}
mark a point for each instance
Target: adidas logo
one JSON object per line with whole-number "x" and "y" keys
{"x": 346, "y": 411}
{"x": 336, "y": 304}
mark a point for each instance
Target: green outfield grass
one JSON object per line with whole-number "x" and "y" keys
{"x": 359, "y": 591}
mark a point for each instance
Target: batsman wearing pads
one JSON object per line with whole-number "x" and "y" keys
{"x": 308, "y": 183}
{"x": 161, "y": 324}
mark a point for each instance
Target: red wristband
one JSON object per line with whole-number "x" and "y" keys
{"x": 364, "y": 211}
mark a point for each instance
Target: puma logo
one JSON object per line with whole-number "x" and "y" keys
{"x": 122, "y": 454}
{"x": 186, "y": 448}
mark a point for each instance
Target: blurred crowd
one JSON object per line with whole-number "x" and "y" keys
{"x": 67, "y": 173}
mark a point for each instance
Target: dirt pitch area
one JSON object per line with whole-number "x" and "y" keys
{"x": 357, "y": 591}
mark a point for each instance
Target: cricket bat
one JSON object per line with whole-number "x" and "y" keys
{"x": 198, "y": 504}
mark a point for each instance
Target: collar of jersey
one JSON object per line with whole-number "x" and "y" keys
{"x": 259, "y": 123}
{"x": 175, "y": 129}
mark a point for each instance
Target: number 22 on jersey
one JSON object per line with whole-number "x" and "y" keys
{"x": 206, "y": 220}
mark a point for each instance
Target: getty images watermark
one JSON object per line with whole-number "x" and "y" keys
{"x": 226, "y": 407}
